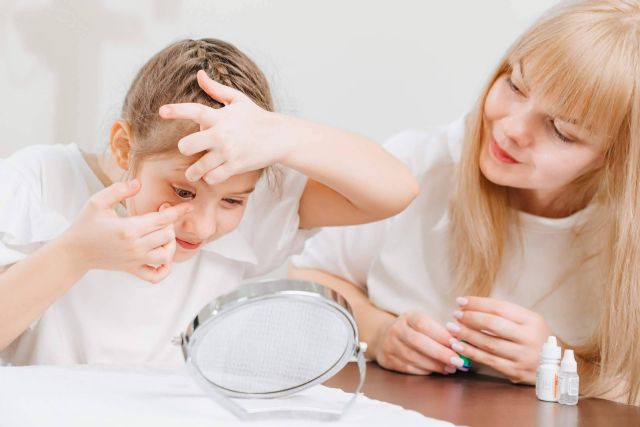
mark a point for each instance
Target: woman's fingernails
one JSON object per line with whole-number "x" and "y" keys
{"x": 457, "y": 361}
{"x": 455, "y": 345}
{"x": 458, "y": 314}
{"x": 450, "y": 369}
{"x": 164, "y": 110}
{"x": 462, "y": 301}
{"x": 452, "y": 327}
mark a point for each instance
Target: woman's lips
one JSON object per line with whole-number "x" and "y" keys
{"x": 188, "y": 245}
{"x": 500, "y": 154}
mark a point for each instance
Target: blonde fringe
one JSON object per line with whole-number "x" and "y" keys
{"x": 565, "y": 47}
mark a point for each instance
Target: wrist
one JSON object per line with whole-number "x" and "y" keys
{"x": 74, "y": 253}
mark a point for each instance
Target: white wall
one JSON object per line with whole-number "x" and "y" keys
{"x": 375, "y": 67}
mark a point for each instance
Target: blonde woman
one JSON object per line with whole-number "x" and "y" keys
{"x": 527, "y": 222}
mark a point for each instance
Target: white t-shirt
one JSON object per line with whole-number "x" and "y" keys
{"x": 113, "y": 317}
{"x": 403, "y": 262}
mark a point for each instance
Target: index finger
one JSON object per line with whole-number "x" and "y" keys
{"x": 198, "y": 113}
{"x": 508, "y": 310}
{"x": 153, "y": 221}
{"x": 429, "y": 327}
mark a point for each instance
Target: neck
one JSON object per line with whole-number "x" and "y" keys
{"x": 548, "y": 204}
{"x": 104, "y": 167}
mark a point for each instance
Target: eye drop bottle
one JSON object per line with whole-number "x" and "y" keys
{"x": 568, "y": 380}
{"x": 547, "y": 372}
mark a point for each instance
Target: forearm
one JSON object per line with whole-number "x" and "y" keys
{"x": 29, "y": 287}
{"x": 363, "y": 172}
{"x": 371, "y": 320}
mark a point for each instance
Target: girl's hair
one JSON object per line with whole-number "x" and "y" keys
{"x": 582, "y": 57}
{"x": 170, "y": 77}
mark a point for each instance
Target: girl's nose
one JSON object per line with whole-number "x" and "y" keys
{"x": 201, "y": 223}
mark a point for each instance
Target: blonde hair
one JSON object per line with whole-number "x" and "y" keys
{"x": 582, "y": 57}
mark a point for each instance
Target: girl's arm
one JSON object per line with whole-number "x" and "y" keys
{"x": 412, "y": 343}
{"x": 97, "y": 239}
{"x": 352, "y": 179}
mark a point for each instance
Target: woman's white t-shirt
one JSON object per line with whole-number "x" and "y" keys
{"x": 111, "y": 317}
{"x": 403, "y": 262}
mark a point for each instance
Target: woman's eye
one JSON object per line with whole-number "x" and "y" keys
{"x": 183, "y": 194}
{"x": 234, "y": 202}
{"x": 513, "y": 86}
{"x": 560, "y": 135}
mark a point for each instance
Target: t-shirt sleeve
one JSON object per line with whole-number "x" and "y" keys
{"x": 272, "y": 222}
{"x": 25, "y": 221}
{"x": 346, "y": 252}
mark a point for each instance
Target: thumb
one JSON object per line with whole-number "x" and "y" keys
{"x": 116, "y": 193}
{"x": 215, "y": 90}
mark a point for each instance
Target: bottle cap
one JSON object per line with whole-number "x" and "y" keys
{"x": 550, "y": 349}
{"x": 568, "y": 362}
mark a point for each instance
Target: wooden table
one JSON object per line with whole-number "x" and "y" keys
{"x": 476, "y": 400}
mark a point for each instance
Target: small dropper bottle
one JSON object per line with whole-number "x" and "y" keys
{"x": 547, "y": 372}
{"x": 568, "y": 380}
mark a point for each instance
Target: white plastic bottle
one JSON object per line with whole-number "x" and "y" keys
{"x": 547, "y": 372}
{"x": 568, "y": 380}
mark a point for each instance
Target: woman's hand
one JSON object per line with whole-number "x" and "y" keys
{"x": 235, "y": 139}
{"x": 499, "y": 334}
{"x": 141, "y": 245}
{"x": 416, "y": 344}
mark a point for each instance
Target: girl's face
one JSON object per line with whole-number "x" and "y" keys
{"x": 527, "y": 146}
{"x": 217, "y": 210}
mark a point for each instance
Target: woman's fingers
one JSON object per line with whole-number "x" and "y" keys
{"x": 508, "y": 310}
{"x": 491, "y": 323}
{"x": 426, "y": 347}
{"x": 493, "y": 345}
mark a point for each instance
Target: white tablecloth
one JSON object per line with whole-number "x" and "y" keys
{"x": 107, "y": 396}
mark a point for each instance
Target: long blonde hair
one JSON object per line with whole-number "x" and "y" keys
{"x": 583, "y": 58}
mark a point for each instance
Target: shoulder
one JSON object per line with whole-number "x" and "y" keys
{"x": 421, "y": 150}
{"x": 37, "y": 163}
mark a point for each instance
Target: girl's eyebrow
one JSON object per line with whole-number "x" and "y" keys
{"x": 247, "y": 191}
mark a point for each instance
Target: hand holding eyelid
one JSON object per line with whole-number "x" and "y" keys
{"x": 103, "y": 240}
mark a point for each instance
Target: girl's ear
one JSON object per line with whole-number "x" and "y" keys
{"x": 120, "y": 142}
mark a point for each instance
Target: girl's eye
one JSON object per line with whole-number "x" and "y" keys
{"x": 513, "y": 86}
{"x": 560, "y": 135}
{"x": 184, "y": 194}
{"x": 234, "y": 202}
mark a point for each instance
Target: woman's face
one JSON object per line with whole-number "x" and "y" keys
{"x": 217, "y": 209}
{"x": 527, "y": 146}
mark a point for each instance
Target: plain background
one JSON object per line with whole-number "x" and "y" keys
{"x": 374, "y": 67}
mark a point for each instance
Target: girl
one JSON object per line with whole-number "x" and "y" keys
{"x": 528, "y": 212}
{"x": 77, "y": 245}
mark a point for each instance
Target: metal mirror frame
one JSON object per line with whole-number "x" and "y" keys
{"x": 248, "y": 294}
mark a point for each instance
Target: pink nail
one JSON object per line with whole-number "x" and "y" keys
{"x": 458, "y": 314}
{"x": 457, "y": 361}
{"x": 452, "y": 327}
{"x": 462, "y": 301}
{"x": 456, "y": 346}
